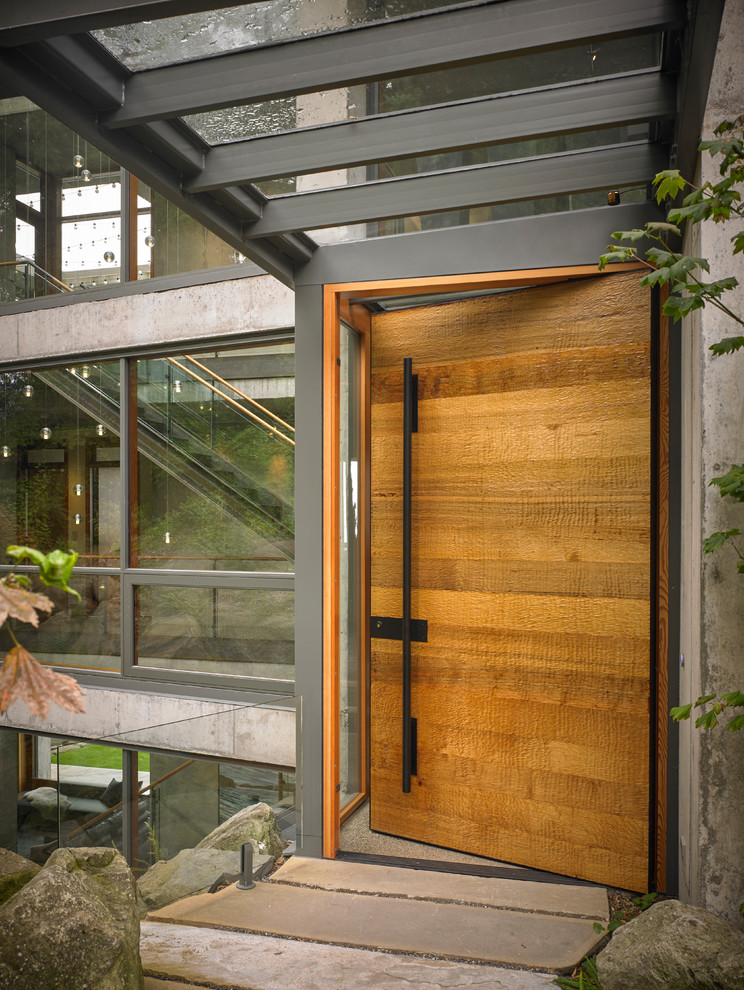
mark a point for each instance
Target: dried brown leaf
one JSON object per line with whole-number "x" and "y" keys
{"x": 21, "y": 676}
{"x": 18, "y": 603}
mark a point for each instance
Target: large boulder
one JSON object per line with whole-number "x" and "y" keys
{"x": 255, "y": 824}
{"x": 673, "y": 946}
{"x": 74, "y": 925}
{"x": 15, "y": 872}
{"x": 192, "y": 871}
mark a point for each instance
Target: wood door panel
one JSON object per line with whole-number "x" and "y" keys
{"x": 531, "y": 535}
{"x": 549, "y": 318}
{"x": 512, "y": 373}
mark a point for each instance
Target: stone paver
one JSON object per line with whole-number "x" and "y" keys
{"x": 521, "y": 895}
{"x": 452, "y": 931}
{"x": 255, "y": 962}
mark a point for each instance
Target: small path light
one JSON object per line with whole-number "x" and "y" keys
{"x": 246, "y": 867}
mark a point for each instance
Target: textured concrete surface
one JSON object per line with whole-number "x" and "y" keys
{"x": 261, "y": 734}
{"x": 242, "y": 305}
{"x": 257, "y": 962}
{"x": 520, "y": 895}
{"x": 711, "y": 850}
{"x": 451, "y": 931}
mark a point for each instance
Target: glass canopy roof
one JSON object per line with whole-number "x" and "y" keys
{"x": 498, "y": 75}
{"x": 214, "y": 32}
{"x": 364, "y": 118}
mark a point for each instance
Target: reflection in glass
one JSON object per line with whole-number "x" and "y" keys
{"x": 73, "y": 793}
{"x": 169, "y": 241}
{"x": 216, "y": 460}
{"x": 78, "y": 633}
{"x": 499, "y": 75}
{"x": 187, "y": 36}
{"x": 188, "y": 799}
{"x": 483, "y": 214}
{"x": 350, "y": 605}
{"x": 59, "y": 467}
{"x": 55, "y": 227}
{"x": 69, "y": 794}
{"x": 216, "y": 630}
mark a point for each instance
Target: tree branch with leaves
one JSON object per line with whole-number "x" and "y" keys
{"x": 21, "y": 675}
{"x": 716, "y": 202}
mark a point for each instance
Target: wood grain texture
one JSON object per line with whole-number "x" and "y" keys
{"x": 531, "y": 540}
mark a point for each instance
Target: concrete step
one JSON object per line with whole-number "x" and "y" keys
{"x": 407, "y": 911}
{"x": 564, "y": 899}
{"x": 180, "y": 957}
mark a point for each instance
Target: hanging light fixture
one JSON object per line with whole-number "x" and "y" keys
{"x": 177, "y": 387}
{"x": 6, "y": 451}
{"x": 78, "y": 161}
{"x": 149, "y": 241}
{"x": 85, "y": 175}
{"x": 78, "y": 489}
{"x": 78, "y": 518}
{"x": 45, "y": 433}
{"x": 28, "y": 390}
{"x": 100, "y": 429}
{"x": 85, "y": 371}
{"x": 167, "y": 537}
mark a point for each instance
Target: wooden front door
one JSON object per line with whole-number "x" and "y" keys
{"x": 531, "y": 563}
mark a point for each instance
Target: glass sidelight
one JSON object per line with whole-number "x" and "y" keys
{"x": 351, "y": 728}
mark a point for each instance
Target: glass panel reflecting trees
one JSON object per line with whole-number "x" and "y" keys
{"x": 59, "y": 461}
{"x": 216, "y": 460}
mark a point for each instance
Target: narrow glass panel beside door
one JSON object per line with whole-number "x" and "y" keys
{"x": 350, "y": 605}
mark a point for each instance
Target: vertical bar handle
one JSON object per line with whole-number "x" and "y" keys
{"x": 410, "y": 425}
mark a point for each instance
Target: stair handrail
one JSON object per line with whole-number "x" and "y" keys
{"x": 267, "y": 412}
{"x": 232, "y": 402}
{"x": 41, "y": 271}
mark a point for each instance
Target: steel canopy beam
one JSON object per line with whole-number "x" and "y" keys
{"x": 484, "y": 185}
{"x": 626, "y": 99}
{"x": 382, "y": 51}
{"x": 24, "y": 21}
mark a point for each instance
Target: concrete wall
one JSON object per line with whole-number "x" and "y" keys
{"x": 238, "y": 306}
{"x": 259, "y": 734}
{"x": 711, "y": 782}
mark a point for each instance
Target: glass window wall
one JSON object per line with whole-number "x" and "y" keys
{"x": 59, "y": 463}
{"x": 208, "y": 502}
{"x": 216, "y": 460}
{"x": 62, "y": 214}
{"x": 69, "y": 792}
{"x": 216, "y": 630}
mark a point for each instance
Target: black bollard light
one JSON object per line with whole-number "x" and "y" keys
{"x": 246, "y": 867}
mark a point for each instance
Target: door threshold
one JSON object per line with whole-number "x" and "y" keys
{"x": 466, "y": 869}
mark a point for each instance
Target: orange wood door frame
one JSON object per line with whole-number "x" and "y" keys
{"x": 337, "y": 297}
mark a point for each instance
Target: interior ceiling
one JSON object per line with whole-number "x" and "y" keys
{"x": 391, "y": 52}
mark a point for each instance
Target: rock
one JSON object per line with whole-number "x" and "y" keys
{"x": 15, "y": 872}
{"x": 674, "y": 946}
{"x": 192, "y": 871}
{"x": 44, "y": 800}
{"x": 73, "y": 925}
{"x": 255, "y": 824}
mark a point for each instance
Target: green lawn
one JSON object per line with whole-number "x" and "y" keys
{"x": 108, "y": 757}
